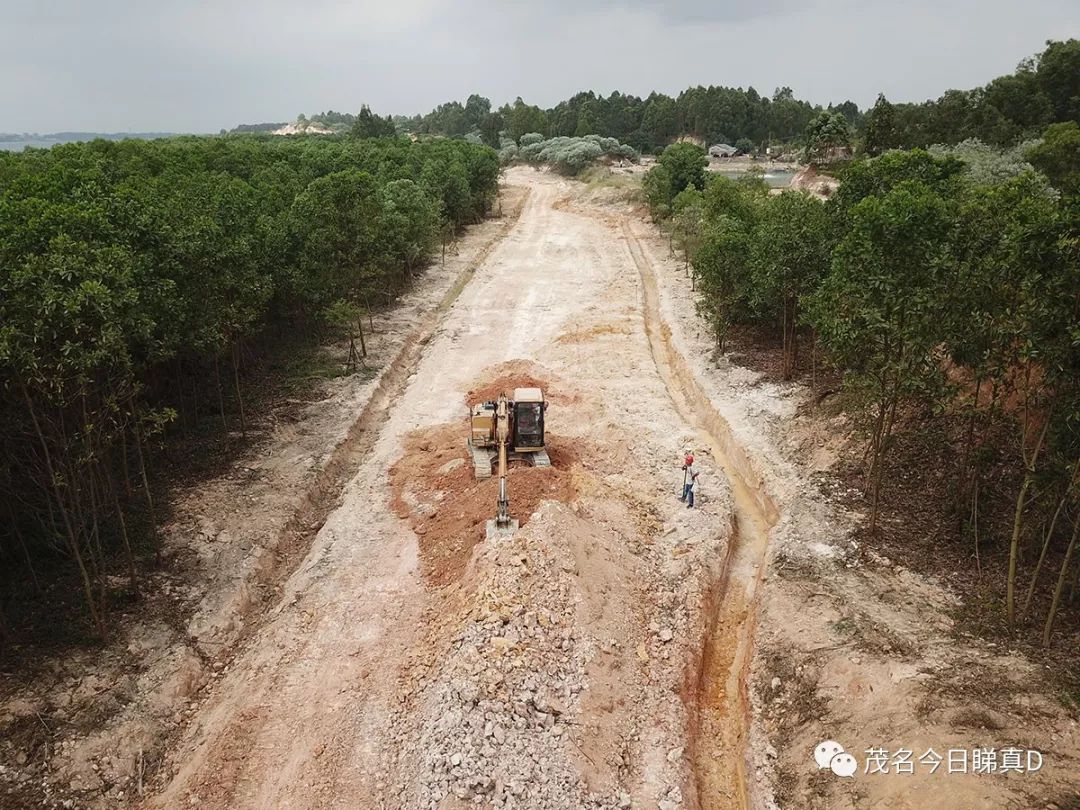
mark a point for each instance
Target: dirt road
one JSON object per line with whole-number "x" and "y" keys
{"x": 411, "y": 665}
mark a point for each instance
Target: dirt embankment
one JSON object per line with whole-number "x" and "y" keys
{"x": 853, "y": 647}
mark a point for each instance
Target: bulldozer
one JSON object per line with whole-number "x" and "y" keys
{"x": 503, "y": 431}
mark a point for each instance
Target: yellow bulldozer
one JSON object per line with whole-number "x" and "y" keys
{"x": 503, "y": 431}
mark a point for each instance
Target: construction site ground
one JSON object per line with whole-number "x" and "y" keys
{"x": 354, "y": 642}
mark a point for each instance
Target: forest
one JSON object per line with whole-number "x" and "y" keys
{"x": 136, "y": 277}
{"x": 944, "y": 290}
{"x": 1044, "y": 89}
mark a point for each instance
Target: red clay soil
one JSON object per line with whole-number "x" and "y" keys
{"x": 505, "y": 377}
{"x": 434, "y": 489}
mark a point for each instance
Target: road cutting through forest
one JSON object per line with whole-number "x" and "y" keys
{"x": 597, "y": 658}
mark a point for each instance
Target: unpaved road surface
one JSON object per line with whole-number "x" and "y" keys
{"x": 410, "y": 664}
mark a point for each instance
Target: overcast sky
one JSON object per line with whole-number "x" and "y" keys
{"x": 201, "y": 65}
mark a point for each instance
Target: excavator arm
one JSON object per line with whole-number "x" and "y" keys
{"x": 503, "y": 524}
{"x": 502, "y": 437}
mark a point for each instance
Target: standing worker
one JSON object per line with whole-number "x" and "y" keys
{"x": 693, "y": 489}
{"x": 688, "y": 476}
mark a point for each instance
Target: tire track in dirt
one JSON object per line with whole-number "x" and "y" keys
{"x": 718, "y": 736}
{"x": 324, "y": 495}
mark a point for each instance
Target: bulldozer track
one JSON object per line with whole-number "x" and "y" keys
{"x": 720, "y": 718}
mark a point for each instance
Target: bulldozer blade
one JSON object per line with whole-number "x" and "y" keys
{"x": 494, "y": 531}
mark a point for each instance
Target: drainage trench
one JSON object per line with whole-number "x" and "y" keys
{"x": 720, "y": 719}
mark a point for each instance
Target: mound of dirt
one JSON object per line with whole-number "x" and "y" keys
{"x": 505, "y": 377}
{"x": 808, "y": 179}
{"x": 433, "y": 487}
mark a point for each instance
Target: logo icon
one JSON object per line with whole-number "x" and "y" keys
{"x": 830, "y": 755}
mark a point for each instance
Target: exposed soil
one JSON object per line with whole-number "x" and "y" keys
{"x": 434, "y": 488}
{"x": 358, "y": 643}
{"x": 859, "y": 640}
{"x": 549, "y": 669}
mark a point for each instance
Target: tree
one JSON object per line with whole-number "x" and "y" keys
{"x": 659, "y": 120}
{"x": 335, "y": 225}
{"x": 1002, "y": 303}
{"x": 687, "y": 221}
{"x": 522, "y": 118}
{"x": 477, "y": 108}
{"x": 827, "y": 136}
{"x": 409, "y": 220}
{"x": 791, "y": 249}
{"x": 1058, "y": 74}
{"x": 1058, "y": 156}
{"x": 880, "y": 308}
{"x": 686, "y": 164}
{"x": 369, "y": 125}
{"x": 880, "y": 132}
{"x": 490, "y": 128}
{"x": 130, "y": 270}
{"x": 722, "y": 267}
{"x": 656, "y": 188}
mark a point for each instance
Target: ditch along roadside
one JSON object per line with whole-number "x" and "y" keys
{"x": 721, "y": 720}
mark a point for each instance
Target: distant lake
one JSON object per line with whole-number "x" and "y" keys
{"x": 48, "y": 140}
{"x": 775, "y": 178}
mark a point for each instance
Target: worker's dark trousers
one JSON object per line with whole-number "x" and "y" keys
{"x": 689, "y": 497}
{"x": 687, "y": 492}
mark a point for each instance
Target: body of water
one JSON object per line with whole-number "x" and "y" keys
{"x": 777, "y": 178}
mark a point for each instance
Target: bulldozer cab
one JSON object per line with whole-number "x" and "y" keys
{"x": 529, "y": 408}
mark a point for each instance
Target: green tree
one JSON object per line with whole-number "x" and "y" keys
{"x": 521, "y": 118}
{"x": 490, "y": 128}
{"x": 722, "y": 268}
{"x": 335, "y": 225}
{"x": 880, "y": 131}
{"x": 656, "y": 188}
{"x": 1058, "y": 156}
{"x": 687, "y": 222}
{"x": 369, "y": 125}
{"x": 880, "y": 309}
{"x": 791, "y": 249}
{"x": 1058, "y": 74}
{"x": 826, "y": 136}
{"x": 685, "y": 164}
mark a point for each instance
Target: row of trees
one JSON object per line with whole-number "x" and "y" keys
{"x": 134, "y": 277}
{"x": 937, "y": 285}
{"x": 1043, "y": 90}
{"x": 710, "y": 113}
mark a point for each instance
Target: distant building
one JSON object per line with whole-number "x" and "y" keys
{"x": 722, "y": 150}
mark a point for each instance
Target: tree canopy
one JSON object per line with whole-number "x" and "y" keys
{"x": 137, "y": 276}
